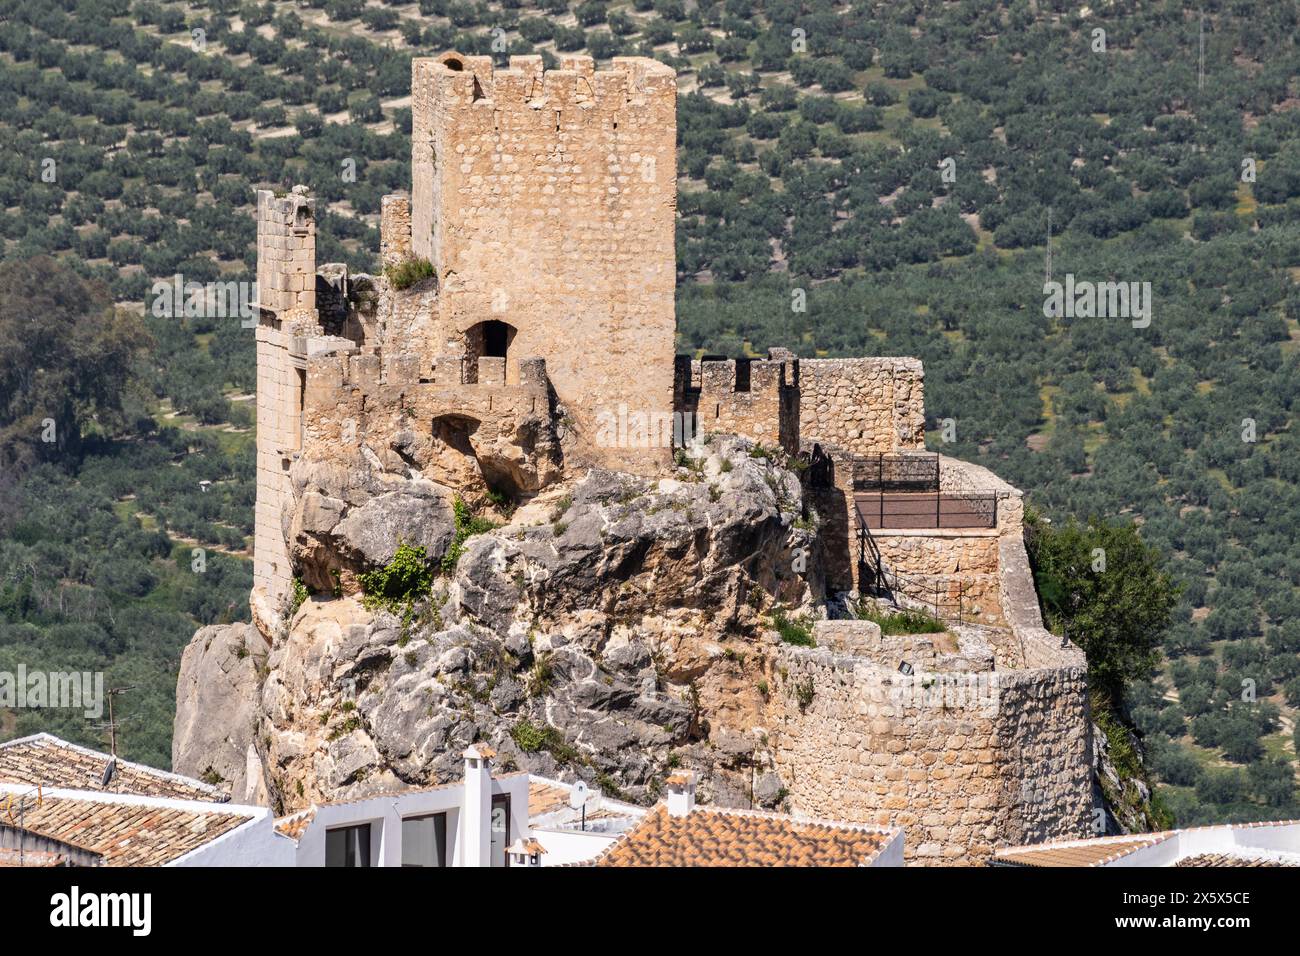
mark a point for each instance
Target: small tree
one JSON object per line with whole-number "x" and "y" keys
{"x": 1102, "y": 586}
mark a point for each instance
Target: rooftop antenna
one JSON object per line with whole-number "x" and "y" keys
{"x": 111, "y": 727}
{"x": 578, "y": 800}
{"x": 22, "y": 823}
{"x": 583, "y": 796}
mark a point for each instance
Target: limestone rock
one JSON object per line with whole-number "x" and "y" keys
{"x": 612, "y": 631}
{"x": 217, "y": 710}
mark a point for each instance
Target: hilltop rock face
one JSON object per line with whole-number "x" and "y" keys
{"x": 218, "y": 710}
{"x": 616, "y": 628}
{"x": 348, "y": 520}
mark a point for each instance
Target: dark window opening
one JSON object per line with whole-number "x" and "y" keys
{"x": 348, "y": 846}
{"x": 742, "y": 375}
{"x": 424, "y": 840}
{"x": 452, "y": 63}
{"x": 496, "y": 338}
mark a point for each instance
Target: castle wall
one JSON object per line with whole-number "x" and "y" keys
{"x": 756, "y": 399}
{"x": 286, "y": 283}
{"x": 546, "y": 200}
{"x": 948, "y": 569}
{"x": 966, "y": 761}
{"x": 394, "y": 230}
{"x": 863, "y": 405}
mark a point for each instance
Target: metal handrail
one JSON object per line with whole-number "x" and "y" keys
{"x": 913, "y": 587}
{"x": 929, "y": 510}
{"x": 896, "y": 470}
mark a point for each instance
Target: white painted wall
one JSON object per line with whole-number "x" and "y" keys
{"x": 572, "y": 846}
{"x": 385, "y": 814}
{"x": 892, "y": 854}
{"x": 254, "y": 844}
{"x": 1280, "y": 838}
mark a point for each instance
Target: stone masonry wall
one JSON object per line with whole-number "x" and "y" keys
{"x": 765, "y": 410}
{"x": 945, "y": 568}
{"x": 863, "y": 405}
{"x": 286, "y": 283}
{"x": 394, "y": 230}
{"x": 546, "y": 200}
{"x": 965, "y": 761}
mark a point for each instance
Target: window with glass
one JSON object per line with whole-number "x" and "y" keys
{"x": 424, "y": 840}
{"x": 500, "y": 830}
{"x": 348, "y": 846}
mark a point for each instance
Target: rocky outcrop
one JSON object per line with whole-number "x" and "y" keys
{"x": 348, "y": 520}
{"x": 614, "y": 629}
{"x": 218, "y": 710}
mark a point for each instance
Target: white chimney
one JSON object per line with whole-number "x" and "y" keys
{"x": 526, "y": 852}
{"x": 681, "y": 793}
{"x": 476, "y": 811}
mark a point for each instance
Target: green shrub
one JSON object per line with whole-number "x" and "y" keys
{"x": 797, "y": 632}
{"x": 403, "y": 580}
{"x": 408, "y": 272}
{"x": 906, "y": 621}
{"x": 531, "y": 738}
{"x": 300, "y": 594}
{"x": 467, "y": 525}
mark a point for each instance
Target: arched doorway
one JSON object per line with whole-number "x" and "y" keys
{"x": 492, "y": 340}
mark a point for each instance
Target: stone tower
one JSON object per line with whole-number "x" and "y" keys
{"x": 286, "y": 284}
{"x": 545, "y": 201}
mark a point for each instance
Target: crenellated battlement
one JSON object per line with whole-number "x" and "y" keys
{"x": 758, "y": 398}
{"x": 453, "y": 80}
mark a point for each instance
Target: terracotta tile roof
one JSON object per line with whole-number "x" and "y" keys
{"x": 545, "y": 797}
{"x": 1230, "y": 859}
{"x": 295, "y": 824}
{"x": 45, "y": 760}
{"x": 129, "y": 833}
{"x": 1080, "y": 853}
{"x": 709, "y": 836}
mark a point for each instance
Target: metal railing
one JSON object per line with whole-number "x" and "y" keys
{"x": 896, "y": 471}
{"x": 913, "y": 510}
{"x": 879, "y": 581}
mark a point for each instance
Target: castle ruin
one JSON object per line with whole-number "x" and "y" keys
{"x": 523, "y": 332}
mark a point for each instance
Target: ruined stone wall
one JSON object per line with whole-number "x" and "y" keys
{"x": 948, "y": 569}
{"x": 864, "y": 405}
{"x": 546, "y": 200}
{"x": 756, "y": 399}
{"x": 364, "y": 408}
{"x": 965, "y": 760}
{"x": 394, "y": 230}
{"x": 286, "y": 283}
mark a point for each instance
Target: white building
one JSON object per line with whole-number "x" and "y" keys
{"x": 477, "y": 822}
{"x": 1240, "y": 844}
{"x": 66, "y": 805}
{"x": 77, "y": 807}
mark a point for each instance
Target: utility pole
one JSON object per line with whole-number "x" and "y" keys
{"x": 1200, "y": 60}
{"x": 1048, "y": 254}
{"x": 113, "y": 724}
